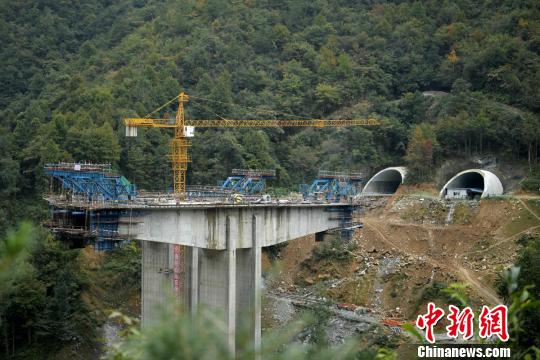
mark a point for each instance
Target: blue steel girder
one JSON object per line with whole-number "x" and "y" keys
{"x": 258, "y": 186}
{"x": 231, "y": 182}
{"x": 332, "y": 189}
{"x": 94, "y": 184}
{"x": 240, "y": 185}
{"x": 70, "y": 184}
{"x": 244, "y": 185}
{"x": 253, "y": 185}
{"x": 319, "y": 185}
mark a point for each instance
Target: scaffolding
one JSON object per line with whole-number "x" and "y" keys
{"x": 255, "y": 173}
{"x": 84, "y": 167}
{"x": 94, "y": 181}
{"x": 325, "y": 174}
{"x": 347, "y": 223}
{"x": 333, "y": 186}
{"x": 247, "y": 181}
{"x": 75, "y": 213}
{"x": 98, "y": 227}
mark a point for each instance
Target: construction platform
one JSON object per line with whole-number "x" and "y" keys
{"x": 333, "y": 186}
{"x": 91, "y": 204}
{"x": 107, "y": 223}
{"x": 205, "y": 245}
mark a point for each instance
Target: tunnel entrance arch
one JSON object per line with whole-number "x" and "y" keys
{"x": 385, "y": 182}
{"x": 471, "y": 184}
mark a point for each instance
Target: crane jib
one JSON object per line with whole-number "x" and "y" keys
{"x": 170, "y": 123}
{"x": 184, "y": 128}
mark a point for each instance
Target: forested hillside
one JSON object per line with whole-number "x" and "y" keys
{"x": 446, "y": 78}
{"x": 72, "y": 71}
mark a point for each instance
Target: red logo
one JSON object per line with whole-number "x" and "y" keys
{"x": 429, "y": 320}
{"x": 494, "y": 322}
{"x": 460, "y": 322}
{"x": 491, "y": 322}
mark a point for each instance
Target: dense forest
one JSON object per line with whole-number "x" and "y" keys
{"x": 446, "y": 78}
{"x": 73, "y": 70}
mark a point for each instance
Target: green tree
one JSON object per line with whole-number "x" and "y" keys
{"x": 421, "y": 153}
{"x": 41, "y": 308}
{"x": 327, "y": 96}
{"x": 94, "y": 144}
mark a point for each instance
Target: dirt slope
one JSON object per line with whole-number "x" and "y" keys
{"x": 411, "y": 249}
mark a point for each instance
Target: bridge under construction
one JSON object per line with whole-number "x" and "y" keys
{"x": 207, "y": 250}
{"x": 203, "y": 242}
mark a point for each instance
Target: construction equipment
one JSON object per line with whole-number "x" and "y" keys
{"x": 237, "y": 198}
{"x": 94, "y": 181}
{"x": 332, "y": 186}
{"x": 247, "y": 181}
{"x": 88, "y": 184}
{"x": 184, "y": 129}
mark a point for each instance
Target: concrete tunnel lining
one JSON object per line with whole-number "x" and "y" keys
{"x": 474, "y": 179}
{"x": 385, "y": 181}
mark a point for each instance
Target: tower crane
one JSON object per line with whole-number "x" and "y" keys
{"x": 184, "y": 129}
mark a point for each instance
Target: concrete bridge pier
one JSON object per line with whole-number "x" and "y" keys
{"x": 220, "y": 267}
{"x": 227, "y": 282}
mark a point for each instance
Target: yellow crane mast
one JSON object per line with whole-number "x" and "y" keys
{"x": 184, "y": 129}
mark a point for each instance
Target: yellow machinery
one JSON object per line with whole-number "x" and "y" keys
{"x": 184, "y": 129}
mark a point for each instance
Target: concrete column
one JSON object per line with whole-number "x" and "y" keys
{"x": 156, "y": 279}
{"x": 226, "y": 281}
{"x": 231, "y": 287}
{"x": 194, "y": 280}
{"x": 248, "y": 291}
{"x": 257, "y": 279}
{"x": 217, "y": 284}
{"x": 223, "y": 273}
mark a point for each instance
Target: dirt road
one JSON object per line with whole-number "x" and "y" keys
{"x": 454, "y": 267}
